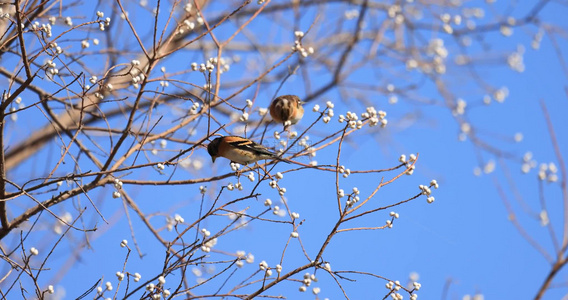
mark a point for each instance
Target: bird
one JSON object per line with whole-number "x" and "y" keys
{"x": 286, "y": 109}
{"x": 239, "y": 150}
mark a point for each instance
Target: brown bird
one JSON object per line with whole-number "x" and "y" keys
{"x": 239, "y": 150}
{"x": 286, "y": 109}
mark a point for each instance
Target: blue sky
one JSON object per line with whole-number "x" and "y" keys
{"x": 464, "y": 236}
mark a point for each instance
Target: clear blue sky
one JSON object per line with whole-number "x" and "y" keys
{"x": 464, "y": 236}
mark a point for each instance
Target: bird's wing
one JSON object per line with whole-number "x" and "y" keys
{"x": 248, "y": 145}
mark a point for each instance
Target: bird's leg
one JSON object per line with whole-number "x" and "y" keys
{"x": 287, "y": 126}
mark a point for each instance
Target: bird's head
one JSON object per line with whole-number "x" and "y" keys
{"x": 213, "y": 148}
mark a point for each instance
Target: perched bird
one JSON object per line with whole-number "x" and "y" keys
{"x": 239, "y": 150}
{"x": 286, "y": 108}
